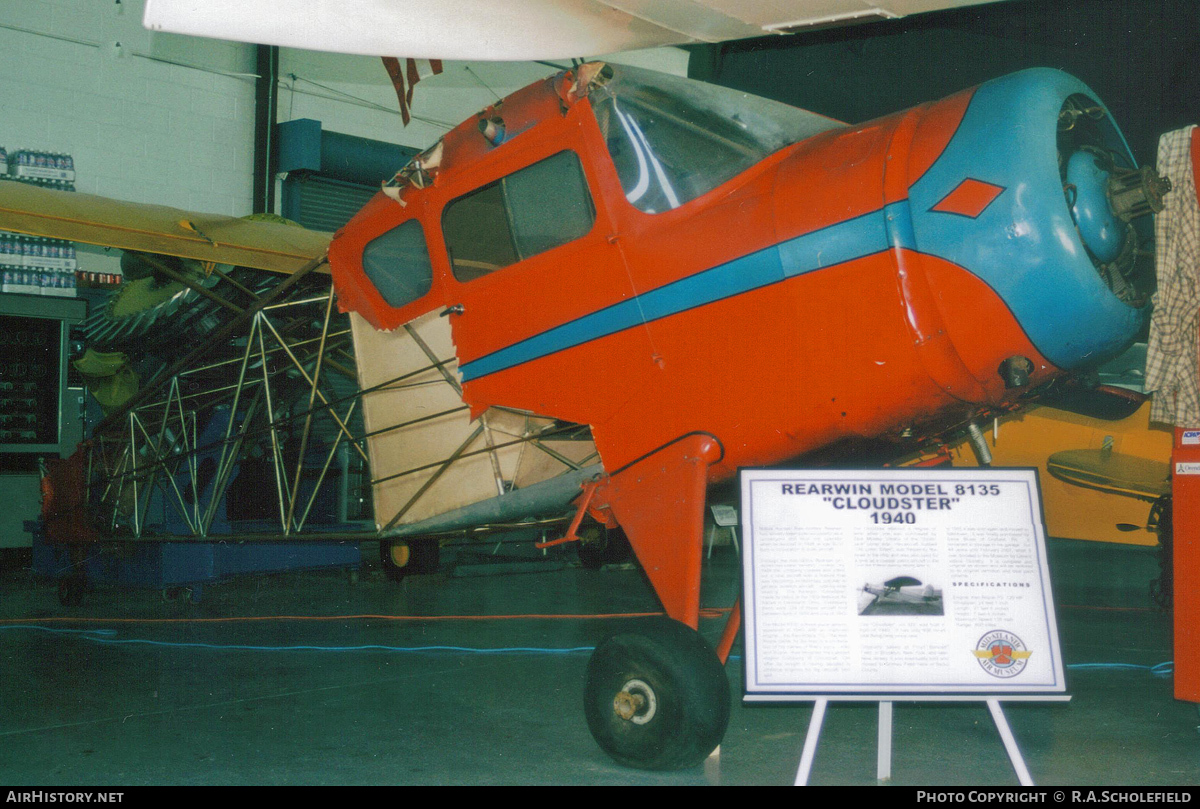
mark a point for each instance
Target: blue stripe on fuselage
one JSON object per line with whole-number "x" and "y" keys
{"x": 854, "y": 238}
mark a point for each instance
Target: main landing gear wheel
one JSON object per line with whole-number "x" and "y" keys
{"x": 657, "y": 699}
{"x": 399, "y": 557}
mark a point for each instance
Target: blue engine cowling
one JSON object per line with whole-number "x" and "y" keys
{"x": 1049, "y": 242}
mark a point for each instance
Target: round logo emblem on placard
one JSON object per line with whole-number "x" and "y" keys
{"x": 1002, "y": 654}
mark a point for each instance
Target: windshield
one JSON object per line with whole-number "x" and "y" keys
{"x": 673, "y": 139}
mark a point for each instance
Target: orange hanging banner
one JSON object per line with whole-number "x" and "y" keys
{"x": 410, "y": 74}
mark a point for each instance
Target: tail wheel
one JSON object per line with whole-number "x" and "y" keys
{"x": 401, "y": 557}
{"x": 600, "y": 546}
{"x": 657, "y": 699}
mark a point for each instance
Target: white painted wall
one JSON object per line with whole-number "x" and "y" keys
{"x": 168, "y": 119}
{"x": 83, "y": 77}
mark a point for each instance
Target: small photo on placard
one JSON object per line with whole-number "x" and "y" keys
{"x": 900, "y": 595}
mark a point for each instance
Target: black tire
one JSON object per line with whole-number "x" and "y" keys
{"x": 657, "y": 699}
{"x": 603, "y": 546}
{"x": 400, "y": 557}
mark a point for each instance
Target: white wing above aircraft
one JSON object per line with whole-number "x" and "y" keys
{"x": 513, "y": 30}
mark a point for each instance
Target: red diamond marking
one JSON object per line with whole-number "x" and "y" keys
{"x": 970, "y": 198}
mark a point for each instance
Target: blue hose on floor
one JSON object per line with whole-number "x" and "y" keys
{"x": 108, "y": 636}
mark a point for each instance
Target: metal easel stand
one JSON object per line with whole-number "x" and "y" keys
{"x": 883, "y": 770}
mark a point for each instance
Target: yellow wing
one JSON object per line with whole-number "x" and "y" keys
{"x": 157, "y": 229}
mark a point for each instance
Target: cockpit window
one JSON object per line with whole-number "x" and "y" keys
{"x": 528, "y": 212}
{"x": 673, "y": 139}
{"x": 398, "y": 264}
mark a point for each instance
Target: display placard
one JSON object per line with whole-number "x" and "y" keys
{"x": 898, "y": 581}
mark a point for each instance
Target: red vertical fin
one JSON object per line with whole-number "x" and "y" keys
{"x": 659, "y": 501}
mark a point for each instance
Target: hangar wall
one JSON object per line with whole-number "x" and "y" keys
{"x": 148, "y": 118}
{"x": 167, "y": 119}
{"x": 353, "y": 95}
{"x": 1140, "y": 56}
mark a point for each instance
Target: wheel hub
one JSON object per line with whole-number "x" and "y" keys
{"x": 400, "y": 554}
{"x": 635, "y": 702}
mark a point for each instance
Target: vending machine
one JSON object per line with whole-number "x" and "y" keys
{"x": 40, "y": 410}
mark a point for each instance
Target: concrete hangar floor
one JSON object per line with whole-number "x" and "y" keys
{"x": 132, "y": 689}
